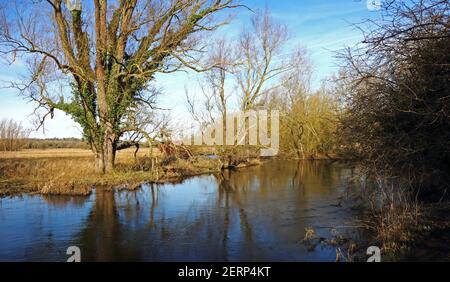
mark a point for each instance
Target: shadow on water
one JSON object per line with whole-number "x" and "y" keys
{"x": 256, "y": 214}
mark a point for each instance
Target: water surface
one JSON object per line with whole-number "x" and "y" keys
{"x": 254, "y": 214}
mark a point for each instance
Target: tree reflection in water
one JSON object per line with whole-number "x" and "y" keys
{"x": 255, "y": 214}
{"x": 102, "y": 238}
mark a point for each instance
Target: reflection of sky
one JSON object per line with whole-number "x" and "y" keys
{"x": 323, "y": 26}
{"x": 191, "y": 219}
{"x": 31, "y": 229}
{"x": 172, "y": 201}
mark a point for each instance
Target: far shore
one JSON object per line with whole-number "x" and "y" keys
{"x": 71, "y": 172}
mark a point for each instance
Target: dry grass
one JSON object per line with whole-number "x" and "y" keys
{"x": 72, "y": 172}
{"x": 392, "y": 214}
{"x": 50, "y": 153}
{"x": 67, "y": 153}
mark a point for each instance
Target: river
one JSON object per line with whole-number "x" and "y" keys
{"x": 253, "y": 214}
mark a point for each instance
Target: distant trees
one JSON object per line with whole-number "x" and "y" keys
{"x": 309, "y": 119}
{"x": 12, "y": 135}
{"x": 309, "y": 125}
{"x": 56, "y": 143}
{"x": 397, "y": 115}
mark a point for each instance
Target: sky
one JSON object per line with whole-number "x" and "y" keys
{"x": 321, "y": 26}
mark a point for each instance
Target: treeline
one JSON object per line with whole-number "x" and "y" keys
{"x": 309, "y": 123}
{"x": 388, "y": 107}
{"x": 55, "y": 143}
{"x": 14, "y": 137}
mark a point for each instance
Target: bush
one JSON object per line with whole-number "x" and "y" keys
{"x": 398, "y": 113}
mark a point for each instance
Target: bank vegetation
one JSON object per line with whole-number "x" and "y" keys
{"x": 396, "y": 119}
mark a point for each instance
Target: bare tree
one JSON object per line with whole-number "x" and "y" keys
{"x": 107, "y": 51}
{"x": 247, "y": 69}
{"x": 214, "y": 100}
{"x": 260, "y": 50}
{"x": 12, "y": 135}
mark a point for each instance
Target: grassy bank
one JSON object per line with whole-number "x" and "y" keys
{"x": 413, "y": 236}
{"x": 399, "y": 219}
{"x": 71, "y": 171}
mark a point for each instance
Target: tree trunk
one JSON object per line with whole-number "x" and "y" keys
{"x": 105, "y": 160}
{"x": 109, "y": 149}
{"x": 99, "y": 163}
{"x": 105, "y": 156}
{"x": 110, "y": 156}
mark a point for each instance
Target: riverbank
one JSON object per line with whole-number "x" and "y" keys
{"x": 424, "y": 237}
{"x": 403, "y": 224}
{"x": 72, "y": 172}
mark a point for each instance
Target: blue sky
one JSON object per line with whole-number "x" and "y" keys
{"x": 322, "y": 26}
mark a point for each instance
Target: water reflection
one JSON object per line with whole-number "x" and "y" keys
{"x": 64, "y": 201}
{"x": 256, "y": 214}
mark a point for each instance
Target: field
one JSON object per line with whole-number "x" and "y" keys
{"x": 66, "y": 153}
{"x": 50, "y": 153}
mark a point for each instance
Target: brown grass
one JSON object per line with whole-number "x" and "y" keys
{"x": 397, "y": 216}
{"x": 71, "y": 171}
{"x": 66, "y": 153}
{"x": 392, "y": 215}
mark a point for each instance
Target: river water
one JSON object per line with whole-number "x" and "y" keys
{"x": 254, "y": 214}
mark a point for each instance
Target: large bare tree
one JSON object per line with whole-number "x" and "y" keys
{"x": 107, "y": 51}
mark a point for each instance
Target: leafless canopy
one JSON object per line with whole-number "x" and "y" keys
{"x": 247, "y": 70}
